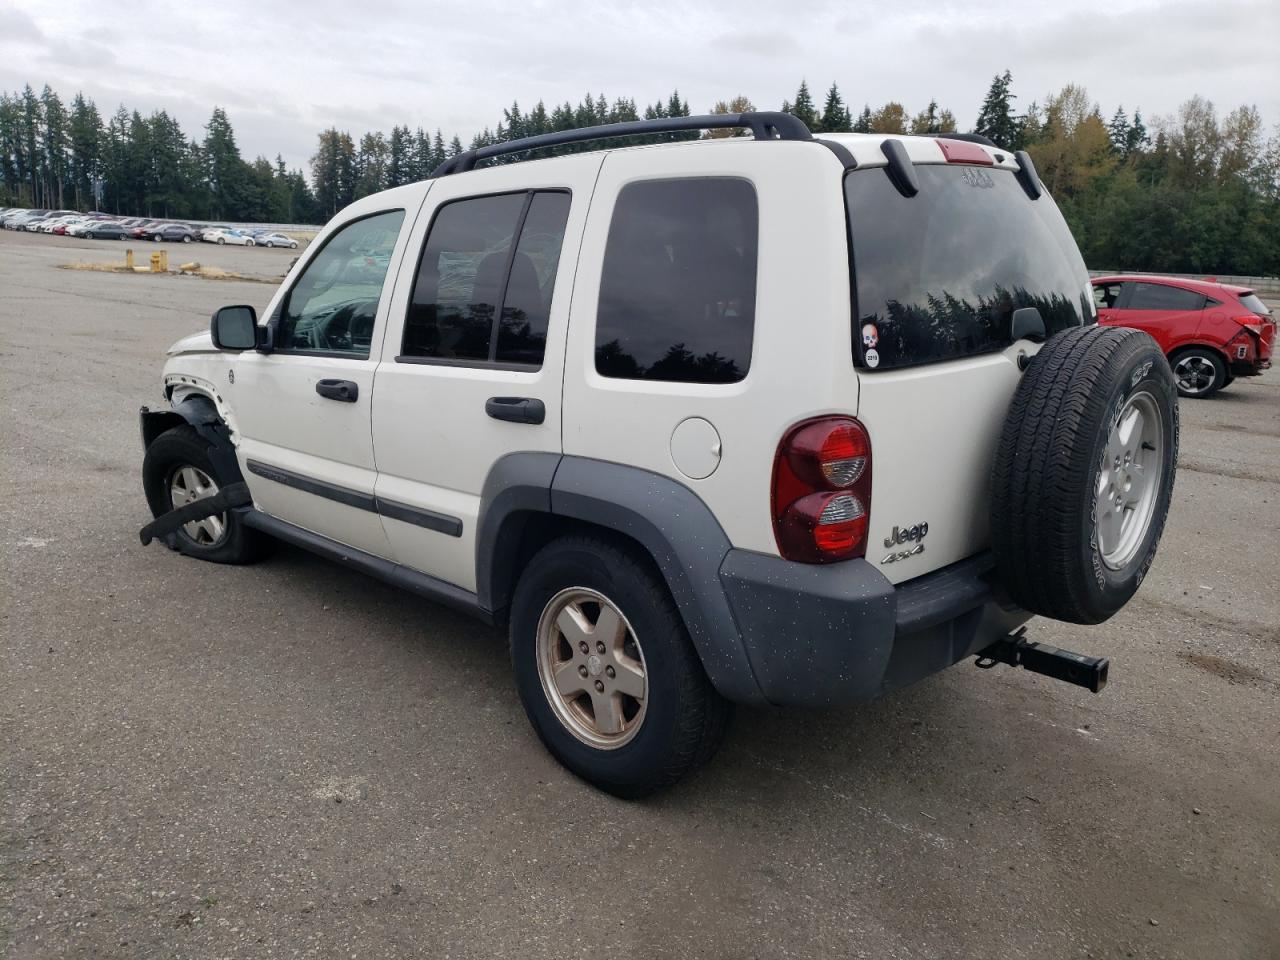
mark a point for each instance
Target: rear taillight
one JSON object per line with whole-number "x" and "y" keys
{"x": 822, "y": 490}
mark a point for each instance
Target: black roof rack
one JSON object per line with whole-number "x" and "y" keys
{"x": 764, "y": 126}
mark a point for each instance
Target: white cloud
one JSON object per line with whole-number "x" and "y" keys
{"x": 285, "y": 71}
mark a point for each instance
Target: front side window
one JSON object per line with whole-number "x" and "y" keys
{"x": 476, "y": 298}
{"x": 678, "y": 285}
{"x": 1158, "y": 296}
{"x": 332, "y": 307}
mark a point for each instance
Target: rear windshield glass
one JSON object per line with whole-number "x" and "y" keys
{"x": 938, "y": 276}
{"x": 1254, "y": 305}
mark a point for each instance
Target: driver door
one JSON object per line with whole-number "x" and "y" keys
{"x": 303, "y": 410}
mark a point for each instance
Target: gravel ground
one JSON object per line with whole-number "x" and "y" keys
{"x": 291, "y": 760}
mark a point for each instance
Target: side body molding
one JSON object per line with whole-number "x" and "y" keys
{"x": 666, "y": 518}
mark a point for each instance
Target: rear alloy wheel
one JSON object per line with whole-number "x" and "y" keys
{"x": 1199, "y": 373}
{"x": 221, "y": 240}
{"x": 606, "y": 670}
{"x": 267, "y": 244}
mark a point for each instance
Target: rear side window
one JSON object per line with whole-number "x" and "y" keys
{"x": 485, "y": 280}
{"x": 1158, "y": 296}
{"x": 1251, "y": 303}
{"x": 678, "y": 286}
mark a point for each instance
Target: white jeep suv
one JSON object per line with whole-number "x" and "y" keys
{"x": 771, "y": 419}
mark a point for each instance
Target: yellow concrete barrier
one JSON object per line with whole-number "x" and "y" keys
{"x": 128, "y": 259}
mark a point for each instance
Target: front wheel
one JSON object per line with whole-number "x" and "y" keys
{"x": 186, "y": 239}
{"x": 248, "y": 243}
{"x": 267, "y": 244}
{"x": 1199, "y": 373}
{"x": 606, "y": 671}
{"x": 221, "y": 241}
{"x": 177, "y": 470}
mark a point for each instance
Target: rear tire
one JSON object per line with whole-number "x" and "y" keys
{"x": 1199, "y": 372}
{"x": 1084, "y": 472}
{"x": 626, "y": 744}
{"x": 179, "y": 460}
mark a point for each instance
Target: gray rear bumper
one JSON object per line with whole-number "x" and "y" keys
{"x": 820, "y": 635}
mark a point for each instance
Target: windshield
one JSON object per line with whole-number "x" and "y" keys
{"x": 938, "y": 276}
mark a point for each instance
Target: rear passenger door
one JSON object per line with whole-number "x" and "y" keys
{"x": 472, "y": 366}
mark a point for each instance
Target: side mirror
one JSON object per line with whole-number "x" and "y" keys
{"x": 234, "y": 328}
{"x": 1027, "y": 325}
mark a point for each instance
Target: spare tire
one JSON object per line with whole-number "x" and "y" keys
{"x": 1084, "y": 473}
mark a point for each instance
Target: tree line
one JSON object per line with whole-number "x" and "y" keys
{"x": 1187, "y": 193}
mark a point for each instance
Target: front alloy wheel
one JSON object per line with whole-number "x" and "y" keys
{"x": 187, "y": 485}
{"x": 592, "y": 668}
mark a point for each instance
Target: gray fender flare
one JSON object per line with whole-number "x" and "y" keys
{"x": 200, "y": 412}
{"x": 666, "y": 518}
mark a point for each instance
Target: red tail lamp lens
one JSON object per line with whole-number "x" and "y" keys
{"x": 822, "y": 491}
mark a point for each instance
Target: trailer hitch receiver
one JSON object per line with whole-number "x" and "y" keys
{"x": 1017, "y": 651}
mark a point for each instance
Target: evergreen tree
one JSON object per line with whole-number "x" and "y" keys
{"x": 371, "y": 164}
{"x": 1118, "y": 131}
{"x": 1137, "y": 138}
{"x": 227, "y": 172}
{"x": 995, "y": 119}
{"x": 863, "y": 123}
{"x": 803, "y": 108}
{"x": 835, "y": 115}
{"x": 54, "y": 159}
{"x": 85, "y": 134}
{"x": 403, "y": 160}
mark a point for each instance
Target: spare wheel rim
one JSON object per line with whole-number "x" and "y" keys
{"x": 1129, "y": 478}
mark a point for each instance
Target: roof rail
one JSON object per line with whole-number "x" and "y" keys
{"x": 764, "y": 125}
{"x": 966, "y": 137}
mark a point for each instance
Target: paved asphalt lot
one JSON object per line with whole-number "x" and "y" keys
{"x": 292, "y": 760}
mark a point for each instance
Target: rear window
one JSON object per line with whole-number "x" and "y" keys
{"x": 1251, "y": 303}
{"x": 938, "y": 276}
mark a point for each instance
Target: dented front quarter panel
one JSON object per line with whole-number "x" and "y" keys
{"x": 195, "y": 367}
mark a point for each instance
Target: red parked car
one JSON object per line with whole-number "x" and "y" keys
{"x": 1211, "y": 332}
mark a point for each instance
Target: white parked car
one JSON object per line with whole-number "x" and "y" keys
{"x": 235, "y": 237}
{"x": 784, "y": 420}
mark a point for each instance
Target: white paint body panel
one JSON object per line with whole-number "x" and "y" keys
{"x": 435, "y": 444}
{"x": 419, "y": 434}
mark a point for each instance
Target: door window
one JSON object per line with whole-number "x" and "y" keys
{"x": 678, "y": 285}
{"x": 476, "y": 298}
{"x": 1106, "y": 295}
{"x": 332, "y": 306}
{"x": 1159, "y": 296}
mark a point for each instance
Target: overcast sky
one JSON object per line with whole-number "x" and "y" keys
{"x": 284, "y": 70}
